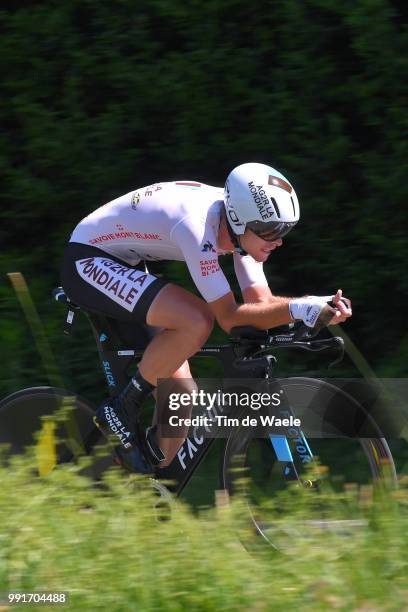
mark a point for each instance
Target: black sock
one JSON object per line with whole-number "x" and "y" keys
{"x": 136, "y": 391}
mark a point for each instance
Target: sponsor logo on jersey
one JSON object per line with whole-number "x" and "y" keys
{"x": 123, "y": 285}
{"x": 209, "y": 266}
{"x": 135, "y": 200}
{"x": 121, "y": 235}
{"x": 261, "y": 200}
{"x": 208, "y": 247}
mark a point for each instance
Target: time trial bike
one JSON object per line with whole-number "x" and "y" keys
{"x": 258, "y": 466}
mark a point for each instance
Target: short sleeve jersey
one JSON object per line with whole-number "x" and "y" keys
{"x": 169, "y": 221}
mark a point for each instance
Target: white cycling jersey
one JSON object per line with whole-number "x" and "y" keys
{"x": 174, "y": 221}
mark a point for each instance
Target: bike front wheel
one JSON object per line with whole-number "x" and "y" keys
{"x": 339, "y": 476}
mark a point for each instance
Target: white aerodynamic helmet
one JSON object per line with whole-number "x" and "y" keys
{"x": 260, "y": 198}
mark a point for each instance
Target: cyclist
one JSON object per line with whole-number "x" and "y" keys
{"x": 103, "y": 271}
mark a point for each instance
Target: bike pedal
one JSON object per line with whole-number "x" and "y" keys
{"x": 156, "y": 454}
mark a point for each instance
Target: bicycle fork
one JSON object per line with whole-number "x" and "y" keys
{"x": 284, "y": 455}
{"x": 282, "y": 448}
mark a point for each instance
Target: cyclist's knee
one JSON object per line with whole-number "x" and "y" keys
{"x": 199, "y": 324}
{"x": 182, "y": 385}
{"x": 175, "y": 308}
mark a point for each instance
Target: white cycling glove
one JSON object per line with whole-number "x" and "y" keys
{"x": 307, "y": 309}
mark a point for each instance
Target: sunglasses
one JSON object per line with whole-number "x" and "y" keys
{"x": 270, "y": 231}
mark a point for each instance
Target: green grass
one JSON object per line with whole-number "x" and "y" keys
{"x": 104, "y": 545}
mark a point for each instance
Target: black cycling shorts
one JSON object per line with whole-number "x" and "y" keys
{"x": 106, "y": 285}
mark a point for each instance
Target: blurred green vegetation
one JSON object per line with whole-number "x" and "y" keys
{"x": 105, "y": 546}
{"x": 98, "y": 98}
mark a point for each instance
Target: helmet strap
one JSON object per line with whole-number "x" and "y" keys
{"x": 235, "y": 239}
{"x": 240, "y": 250}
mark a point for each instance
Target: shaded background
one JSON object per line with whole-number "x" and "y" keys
{"x": 99, "y": 98}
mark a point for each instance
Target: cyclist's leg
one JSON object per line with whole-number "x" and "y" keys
{"x": 183, "y": 383}
{"x": 94, "y": 280}
{"x": 186, "y": 321}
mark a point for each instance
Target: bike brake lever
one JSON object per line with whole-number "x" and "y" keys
{"x": 340, "y": 343}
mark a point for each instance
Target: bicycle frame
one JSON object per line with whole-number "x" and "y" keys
{"x": 236, "y": 362}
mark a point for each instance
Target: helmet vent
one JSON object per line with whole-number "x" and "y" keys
{"x": 276, "y": 207}
{"x": 293, "y": 204}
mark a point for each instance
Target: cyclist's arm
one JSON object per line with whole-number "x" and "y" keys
{"x": 265, "y": 315}
{"x": 256, "y": 294}
{"x": 262, "y": 315}
{"x": 252, "y": 280}
{"x": 214, "y": 287}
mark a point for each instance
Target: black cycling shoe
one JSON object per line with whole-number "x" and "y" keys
{"x": 146, "y": 443}
{"x": 145, "y": 456}
{"x": 114, "y": 421}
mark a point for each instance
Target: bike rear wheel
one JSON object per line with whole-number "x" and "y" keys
{"x": 341, "y": 478}
{"x": 58, "y": 439}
